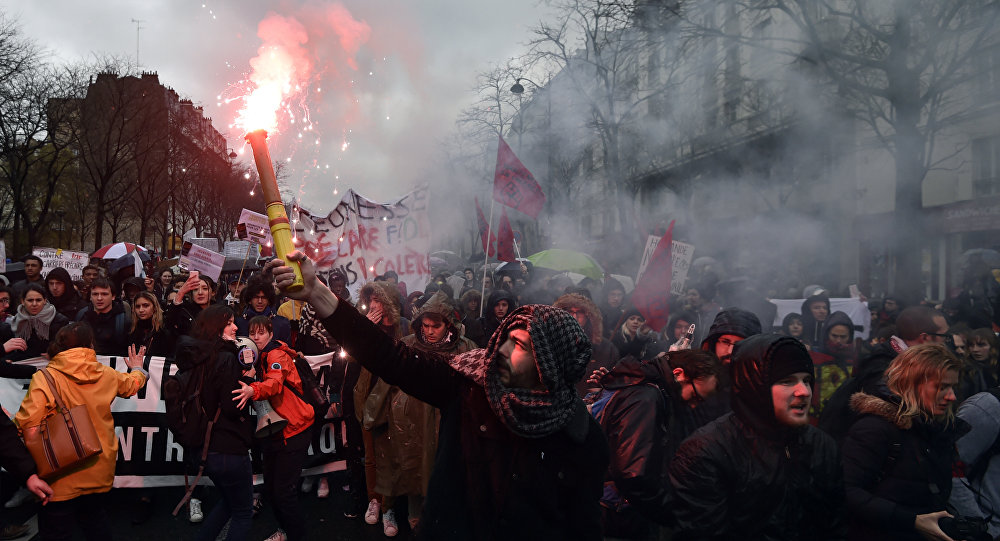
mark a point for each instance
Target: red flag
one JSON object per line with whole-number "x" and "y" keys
{"x": 505, "y": 240}
{"x": 652, "y": 294}
{"x": 513, "y": 184}
{"x": 484, "y": 229}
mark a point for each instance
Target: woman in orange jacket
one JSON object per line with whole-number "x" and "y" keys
{"x": 81, "y": 379}
{"x": 278, "y": 382}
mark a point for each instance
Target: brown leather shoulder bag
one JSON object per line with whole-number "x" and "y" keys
{"x": 65, "y": 441}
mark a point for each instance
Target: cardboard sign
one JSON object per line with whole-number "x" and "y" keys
{"x": 681, "y": 255}
{"x": 74, "y": 262}
{"x": 205, "y": 261}
{"x": 253, "y": 226}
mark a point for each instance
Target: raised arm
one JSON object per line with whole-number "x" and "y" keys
{"x": 427, "y": 377}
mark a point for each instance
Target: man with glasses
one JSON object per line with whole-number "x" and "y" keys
{"x": 260, "y": 300}
{"x": 731, "y": 326}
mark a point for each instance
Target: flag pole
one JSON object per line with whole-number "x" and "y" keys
{"x": 489, "y": 233}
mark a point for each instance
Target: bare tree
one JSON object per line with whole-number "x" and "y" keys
{"x": 592, "y": 45}
{"x": 32, "y": 164}
{"x": 901, "y": 67}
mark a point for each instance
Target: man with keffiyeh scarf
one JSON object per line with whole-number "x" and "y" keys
{"x": 519, "y": 457}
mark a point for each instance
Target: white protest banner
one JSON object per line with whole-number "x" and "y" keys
{"x": 148, "y": 456}
{"x": 203, "y": 260}
{"x": 3, "y": 256}
{"x": 362, "y": 239}
{"x": 681, "y": 254}
{"x": 254, "y": 226}
{"x": 74, "y": 262}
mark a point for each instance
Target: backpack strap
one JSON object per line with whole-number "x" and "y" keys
{"x": 201, "y": 466}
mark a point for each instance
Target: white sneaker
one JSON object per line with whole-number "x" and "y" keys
{"x": 389, "y": 527}
{"x": 323, "y": 490}
{"x": 307, "y": 484}
{"x": 19, "y": 498}
{"x": 371, "y": 515}
{"x": 277, "y": 536}
{"x": 194, "y": 510}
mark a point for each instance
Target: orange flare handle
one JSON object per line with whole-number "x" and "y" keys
{"x": 281, "y": 231}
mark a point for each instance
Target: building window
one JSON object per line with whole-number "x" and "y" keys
{"x": 986, "y": 166}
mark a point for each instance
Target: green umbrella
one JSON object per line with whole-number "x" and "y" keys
{"x": 558, "y": 259}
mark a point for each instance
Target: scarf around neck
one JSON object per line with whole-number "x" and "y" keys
{"x": 23, "y": 323}
{"x": 562, "y": 351}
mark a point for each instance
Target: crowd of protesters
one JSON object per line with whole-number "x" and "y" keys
{"x": 524, "y": 405}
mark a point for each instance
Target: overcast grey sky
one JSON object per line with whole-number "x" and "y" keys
{"x": 411, "y": 74}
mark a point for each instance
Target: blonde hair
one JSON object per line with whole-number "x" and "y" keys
{"x": 914, "y": 367}
{"x": 157, "y": 311}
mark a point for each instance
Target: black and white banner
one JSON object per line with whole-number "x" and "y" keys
{"x": 148, "y": 456}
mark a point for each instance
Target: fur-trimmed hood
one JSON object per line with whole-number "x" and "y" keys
{"x": 575, "y": 300}
{"x": 868, "y": 404}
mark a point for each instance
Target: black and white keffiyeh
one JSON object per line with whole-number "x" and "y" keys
{"x": 562, "y": 351}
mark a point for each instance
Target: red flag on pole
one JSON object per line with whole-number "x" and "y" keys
{"x": 652, "y": 294}
{"x": 513, "y": 184}
{"x": 505, "y": 240}
{"x": 484, "y": 229}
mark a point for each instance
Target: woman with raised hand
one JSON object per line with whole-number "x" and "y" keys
{"x": 78, "y": 499}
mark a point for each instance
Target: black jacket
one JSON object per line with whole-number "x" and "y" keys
{"x": 489, "y": 321}
{"x": 487, "y": 482}
{"x": 69, "y": 303}
{"x": 645, "y": 424}
{"x": 179, "y": 318}
{"x": 744, "y": 476}
{"x": 158, "y": 344}
{"x": 110, "y": 328}
{"x": 14, "y": 456}
{"x": 889, "y": 465}
{"x": 233, "y": 433}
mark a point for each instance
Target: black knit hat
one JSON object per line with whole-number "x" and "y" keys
{"x": 788, "y": 358}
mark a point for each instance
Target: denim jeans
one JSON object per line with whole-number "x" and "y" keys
{"x": 233, "y": 477}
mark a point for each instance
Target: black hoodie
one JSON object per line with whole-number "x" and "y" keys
{"x": 745, "y": 476}
{"x": 489, "y": 321}
{"x": 812, "y": 333}
{"x": 69, "y": 303}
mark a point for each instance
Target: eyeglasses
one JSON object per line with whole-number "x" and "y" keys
{"x": 4, "y": 301}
